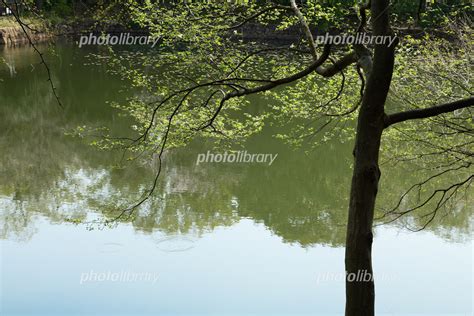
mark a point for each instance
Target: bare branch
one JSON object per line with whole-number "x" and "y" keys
{"x": 445, "y": 195}
{"x": 24, "y": 26}
{"x": 306, "y": 29}
{"x": 363, "y": 15}
{"x": 338, "y": 66}
{"x": 428, "y": 112}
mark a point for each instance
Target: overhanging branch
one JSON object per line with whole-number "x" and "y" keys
{"x": 272, "y": 84}
{"x": 24, "y": 27}
{"x": 428, "y": 112}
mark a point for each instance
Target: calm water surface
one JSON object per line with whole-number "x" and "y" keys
{"x": 218, "y": 239}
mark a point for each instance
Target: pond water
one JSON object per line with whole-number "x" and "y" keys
{"x": 217, "y": 239}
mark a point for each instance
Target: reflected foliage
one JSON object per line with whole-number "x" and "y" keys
{"x": 301, "y": 197}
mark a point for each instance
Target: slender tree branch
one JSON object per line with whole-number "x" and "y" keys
{"x": 274, "y": 83}
{"x": 306, "y": 29}
{"x": 345, "y": 61}
{"x": 428, "y": 112}
{"x": 40, "y": 54}
{"x": 363, "y": 15}
{"x": 338, "y": 65}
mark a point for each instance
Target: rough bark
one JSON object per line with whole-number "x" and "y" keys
{"x": 360, "y": 294}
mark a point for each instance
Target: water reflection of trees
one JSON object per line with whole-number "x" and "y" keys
{"x": 300, "y": 198}
{"x": 46, "y": 173}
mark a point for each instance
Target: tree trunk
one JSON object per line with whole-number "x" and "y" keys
{"x": 360, "y": 292}
{"x": 420, "y": 10}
